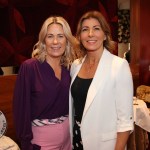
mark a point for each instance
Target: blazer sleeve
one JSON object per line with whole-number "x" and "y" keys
{"x": 124, "y": 98}
{"x": 22, "y": 108}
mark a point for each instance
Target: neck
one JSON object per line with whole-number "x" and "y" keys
{"x": 54, "y": 62}
{"x": 92, "y": 60}
{"x": 93, "y": 57}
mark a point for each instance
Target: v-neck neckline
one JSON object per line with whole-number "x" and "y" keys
{"x": 61, "y": 74}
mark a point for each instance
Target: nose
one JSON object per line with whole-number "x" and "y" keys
{"x": 55, "y": 41}
{"x": 90, "y": 32}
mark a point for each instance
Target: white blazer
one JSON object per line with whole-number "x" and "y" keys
{"x": 109, "y": 106}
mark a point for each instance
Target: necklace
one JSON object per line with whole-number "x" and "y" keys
{"x": 91, "y": 67}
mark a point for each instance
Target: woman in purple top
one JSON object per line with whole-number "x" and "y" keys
{"x": 41, "y": 95}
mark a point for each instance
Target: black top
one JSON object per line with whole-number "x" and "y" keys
{"x": 79, "y": 90}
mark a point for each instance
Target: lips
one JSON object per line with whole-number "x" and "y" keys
{"x": 91, "y": 41}
{"x": 56, "y": 48}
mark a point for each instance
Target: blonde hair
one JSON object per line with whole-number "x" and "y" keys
{"x": 108, "y": 43}
{"x": 39, "y": 49}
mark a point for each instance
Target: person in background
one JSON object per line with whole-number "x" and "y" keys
{"x": 41, "y": 95}
{"x": 101, "y": 92}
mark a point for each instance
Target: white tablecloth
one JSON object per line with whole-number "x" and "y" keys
{"x": 141, "y": 114}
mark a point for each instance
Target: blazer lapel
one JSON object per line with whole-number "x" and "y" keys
{"x": 98, "y": 80}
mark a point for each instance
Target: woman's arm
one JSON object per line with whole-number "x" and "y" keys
{"x": 122, "y": 138}
{"x": 124, "y": 105}
{"x": 22, "y": 108}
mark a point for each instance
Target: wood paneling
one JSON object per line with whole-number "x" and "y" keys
{"x": 145, "y": 42}
{"x": 140, "y": 36}
{"x": 7, "y": 84}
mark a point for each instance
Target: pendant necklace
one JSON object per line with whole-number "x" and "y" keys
{"x": 91, "y": 67}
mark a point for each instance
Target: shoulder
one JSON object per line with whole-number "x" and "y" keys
{"x": 28, "y": 65}
{"x": 116, "y": 62}
{"x": 77, "y": 61}
{"x": 75, "y": 65}
{"x": 30, "y": 61}
{"x": 118, "y": 59}
{"x": 114, "y": 57}
{"x": 120, "y": 65}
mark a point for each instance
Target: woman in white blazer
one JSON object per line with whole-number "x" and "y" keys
{"x": 101, "y": 91}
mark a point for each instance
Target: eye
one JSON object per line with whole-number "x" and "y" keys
{"x": 84, "y": 29}
{"x": 49, "y": 36}
{"x": 60, "y": 35}
{"x": 97, "y": 28}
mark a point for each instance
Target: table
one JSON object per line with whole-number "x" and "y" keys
{"x": 138, "y": 140}
{"x": 141, "y": 114}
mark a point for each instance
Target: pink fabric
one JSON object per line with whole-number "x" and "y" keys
{"x": 52, "y": 137}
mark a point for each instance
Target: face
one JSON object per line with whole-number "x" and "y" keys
{"x": 92, "y": 35}
{"x": 55, "y": 41}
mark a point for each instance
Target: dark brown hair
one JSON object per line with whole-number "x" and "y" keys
{"x": 108, "y": 43}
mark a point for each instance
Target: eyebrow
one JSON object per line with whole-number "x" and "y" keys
{"x": 57, "y": 34}
{"x": 93, "y": 26}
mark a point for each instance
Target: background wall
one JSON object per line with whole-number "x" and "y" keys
{"x": 21, "y": 21}
{"x": 140, "y": 36}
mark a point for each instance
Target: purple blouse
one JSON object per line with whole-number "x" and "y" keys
{"x": 38, "y": 94}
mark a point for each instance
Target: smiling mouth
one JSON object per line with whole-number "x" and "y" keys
{"x": 91, "y": 41}
{"x": 56, "y": 48}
